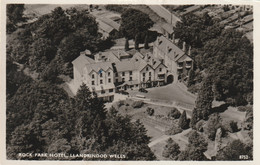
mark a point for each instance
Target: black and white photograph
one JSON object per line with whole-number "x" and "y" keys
{"x": 129, "y": 82}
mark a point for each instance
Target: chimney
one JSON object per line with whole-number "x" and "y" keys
{"x": 189, "y": 50}
{"x": 154, "y": 62}
{"x": 173, "y": 38}
{"x": 161, "y": 61}
{"x": 97, "y": 57}
{"x": 87, "y": 52}
{"x": 146, "y": 57}
{"x": 184, "y": 46}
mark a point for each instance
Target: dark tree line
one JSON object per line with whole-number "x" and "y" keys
{"x": 14, "y": 13}
{"x": 57, "y": 38}
{"x": 41, "y": 118}
{"x": 224, "y": 55}
{"x": 135, "y": 25}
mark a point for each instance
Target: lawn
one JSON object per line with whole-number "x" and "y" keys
{"x": 171, "y": 93}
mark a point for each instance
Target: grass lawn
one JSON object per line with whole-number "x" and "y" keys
{"x": 171, "y": 92}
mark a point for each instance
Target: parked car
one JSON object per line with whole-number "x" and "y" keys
{"x": 143, "y": 90}
{"x": 123, "y": 92}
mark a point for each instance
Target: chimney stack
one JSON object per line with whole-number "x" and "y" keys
{"x": 184, "y": 46}
{"x": 189, "y": 50}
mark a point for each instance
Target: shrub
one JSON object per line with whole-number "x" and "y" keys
{"x": 199, "y": 125}
{"x": 230, "y": 126}
{"x": 173, "y": 130}
{"x": 174, "y": 113}
{"x": 244, "y": 108}
{"x": 183, "y": 121}
{"x": 150, "y": 111}
{"x": 116, "y": 8}
{"x": 137, "y": 104}
{"x": 171, "y": 150}
{"x": 212, "y": 125}
{"x": 120, "y": 103}
{"x": 248, "y": 122}
{"x": 233, "y": 151}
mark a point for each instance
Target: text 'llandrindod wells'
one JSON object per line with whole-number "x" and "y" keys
{"x": 69, "y": 155}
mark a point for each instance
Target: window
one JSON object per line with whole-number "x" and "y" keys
{"x": 100, "y": 75}
{"x": 150, "y": 73}
{"x": 123, "y": 73}
{"x": 147, "y": 68}
{"x": 108, "y": 73}
{"x": 93, "y": 82}
{"x": 130, "y": 78}
{"x": 111, "y": 90}
{"x": 116, "y": 80}
{"x": 93, "y": 76}
{"x": 123, "y": 79}
{"x": 143, "y": 79}
{"x": 143, "y": 74}
{"x": 160, "y": 69}
{"x": 116, "y": 74}
{"x": 101, "y": 81}
{"x": 130, "y": 72}
{"x": 149, "y": 78}
{"x": 109, "y": 80}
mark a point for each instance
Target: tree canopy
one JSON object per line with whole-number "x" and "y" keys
{"x": 14, "y": 14}
{"x": 50, "y": 121}
{"x": 223, "y": 54}
{"x": 134, "y": 23}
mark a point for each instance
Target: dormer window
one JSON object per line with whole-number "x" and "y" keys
{"x": 93, "y": 76}
{"x": 108, "y": 73}
{"x": 147, "y": 68}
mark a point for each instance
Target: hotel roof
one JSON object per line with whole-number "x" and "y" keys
{"x": 174, "y": 52}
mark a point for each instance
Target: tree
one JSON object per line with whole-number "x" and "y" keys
{"x": 183, "y": 121}
{"x": 33, "y": 100}
{"x": 146, "y": 46}
{"x": 126, "y": 44}
{"x": 212, "y": 125}
{"x": 203, "y": 102}
{"x": 232, "y": 79}
{"x": 191, "y": 78}
{"x": 195, "y": 149}
{"x": 43, "y": 47}
{"x": 174, "y": 113}
{"x": 133, "y": 23}
{"x": 50, "y": 74}
{"x": 14, "y": 15}
{"x": 54, "y": 26}
{"x": 171, "y": 150}
{"x": 25, "y": 139}
{"x": 234, "y": 150}
{"x": 70, "y": 47}
{"x": 150, "y": 111}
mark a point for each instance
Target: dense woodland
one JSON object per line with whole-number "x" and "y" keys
{"x": 42, "y": 118}
{"x": 224, "y": 56}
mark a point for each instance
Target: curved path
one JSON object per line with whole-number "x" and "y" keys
{"x": 174, "y": 137}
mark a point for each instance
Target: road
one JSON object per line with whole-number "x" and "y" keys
{"x": 174, "y": 137}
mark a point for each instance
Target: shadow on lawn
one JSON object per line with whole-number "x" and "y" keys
{"x": 219, "y": 109}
